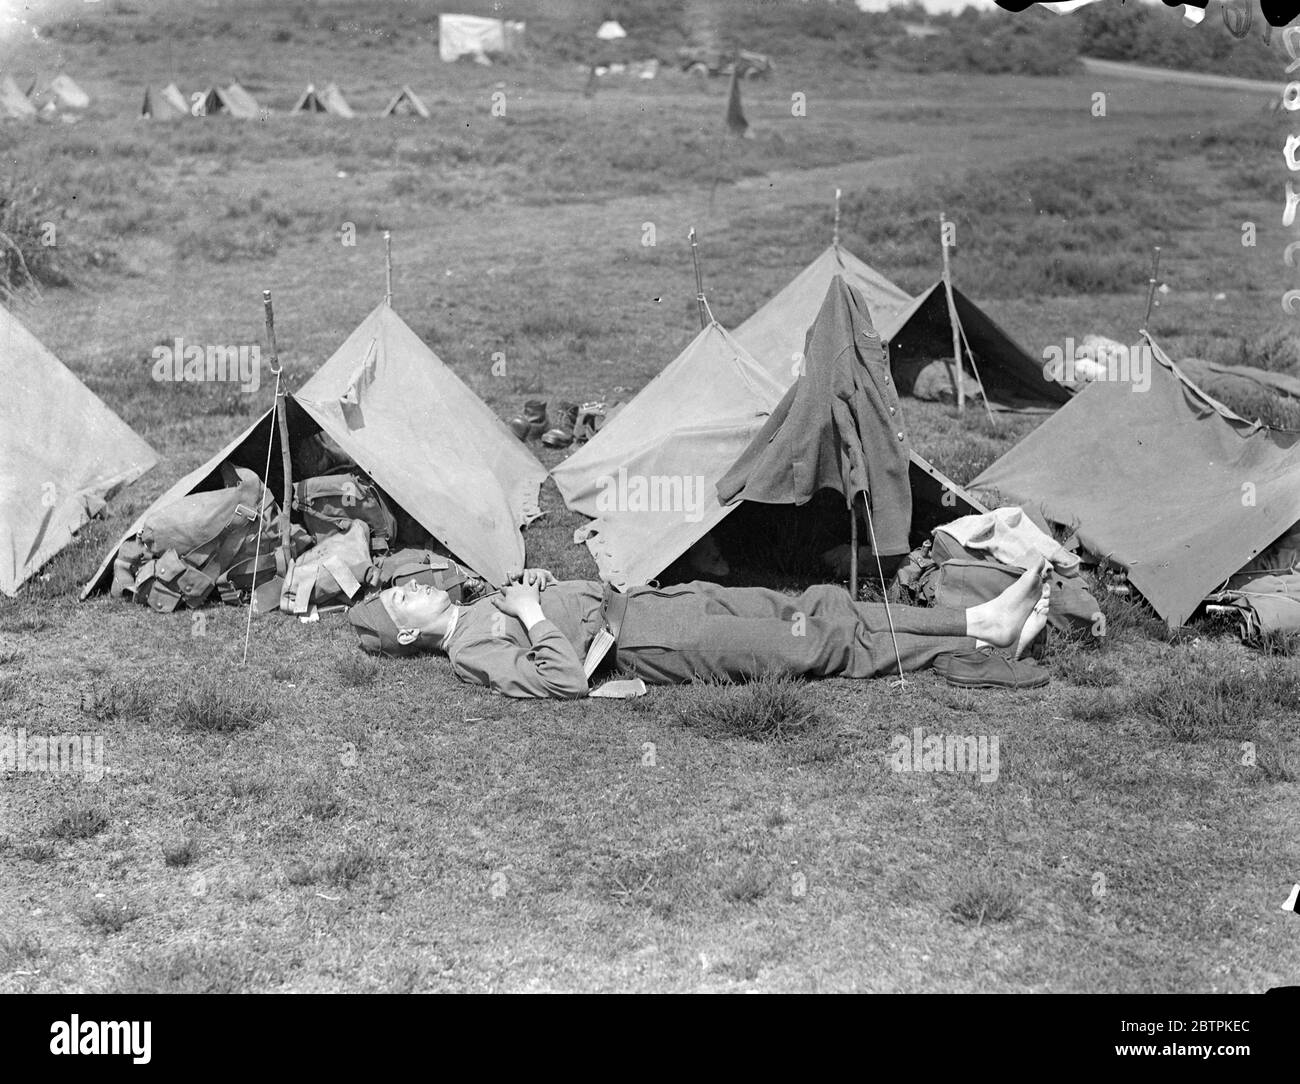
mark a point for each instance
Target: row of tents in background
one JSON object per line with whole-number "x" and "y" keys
{"x": 62, "y": 97}
{"x": 170, "y": 103}
{"x": 1153, "y": 482}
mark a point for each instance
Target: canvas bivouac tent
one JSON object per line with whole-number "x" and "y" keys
{"x": 63, "y": 92}
{"x": 234, "y": 101}
{"x": 63, "y": 453}
{"x": 432, "y": 445}
{"x": 1011, "y": 377}
{"x": 917, "y": 331}
{"x": 774, "y": 335}
{"x": 330, "y": 100}
{"x": 839, "y": 428}
{"x": 679, "y": 433}
{"x": 405, "y": 104}
{"x": 14, "y": 104}
{"x": 166, "y": 104}
{"x": 705, "y": 416}
{"x": 1160, "y": 478}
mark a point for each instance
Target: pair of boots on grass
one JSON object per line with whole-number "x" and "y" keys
{"x": 575, "y": 423}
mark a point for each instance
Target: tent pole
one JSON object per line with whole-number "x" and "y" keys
{"x": 853, "y": 548}
{"x": 835, "y": 234}
{"x": 282, "y": 420}
{"x": 699, "y": 280}
{"x": 388, "y": 269}
{"x": 952, "y": 318}
{"x": 1151, "y": 286}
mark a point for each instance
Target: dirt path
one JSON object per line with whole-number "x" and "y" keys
{"x": 1193, "y": 79}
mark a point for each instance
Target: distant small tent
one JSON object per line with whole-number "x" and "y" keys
{"x": 330, "y": 100}
{"x": 610, "y": 30}
{"x": 405, "y": 104}
{"x": 166, "y": 104}
{"x": 14, "y": 104}
{"x": 234, "y": 101}
{"x": 241, "y": 103}
{"x": 62, "y": 92}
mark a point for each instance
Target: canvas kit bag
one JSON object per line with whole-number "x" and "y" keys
{"x": 331, "y": 503}
{"x": 333, "y": 572}
{"x": 964, "y": 578}
{"x": 226, "y": 541}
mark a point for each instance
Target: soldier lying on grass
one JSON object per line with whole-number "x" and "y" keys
{"x": 529, "y": 639}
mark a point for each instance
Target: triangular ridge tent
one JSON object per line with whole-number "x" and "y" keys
{"x": 14, "y": 104}
{"x": 775, "y": 334}
{"x": 478, "y": 37}
{"x": 64, "y": 93}
{"x": 1164, "y": 480}
{"x": 683, "y": 428}
{"x": 922, "y": 333}
{"x": 234, "y": 100}
{"x": 405, "y": 103}
{"x": 166, "y": 104}
{"x": 414, "y": 427}
{"x": 309, "y": 102}
{"x": 63, "y": 454}
{"x": 330, "y": 100}
{"x": 241, "y": 104}
{"x": 611, "y": 30}
{"x": 830, "y": 432}
{"x": 335, "y": 104}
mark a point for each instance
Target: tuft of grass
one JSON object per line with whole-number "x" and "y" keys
{"x": 19, "y": 951}
{"x": 117, "y": 700}
{"x": 1280, "y": 643}
{"x": 284, "y": 672}
{"x": 9, "y": 656}
{"x": 357, "y": 670}
{"x": 8, "y": 688}
{"x": 1079, "y": 669}
{"x": 355, "y": 862}
{"x": 35, "y": 852}
{"x": 219, "y": 705}
{"x": 752, "y": 884}
{"x": 24, "y": 623}
{"x": 320, "y": 800}
{"x": 301, "y": 873}
{"x": 180, "y": 852}
{"x": 1105, "y": 708}
{"x": 984, "y": 900}
{"x": 106, "y": 916}
{"x": 81, "y": 822}
{"x": 1273, "y": 765}
{"x": 771, "y": 708}
{"x": 251, "y": 787}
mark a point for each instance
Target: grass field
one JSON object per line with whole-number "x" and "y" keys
{"x": 320, "y": 821}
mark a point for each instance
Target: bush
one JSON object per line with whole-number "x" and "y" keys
{"x": 27, "y": 215}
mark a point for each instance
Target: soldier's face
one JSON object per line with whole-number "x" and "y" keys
{"x": 415, "y": 605}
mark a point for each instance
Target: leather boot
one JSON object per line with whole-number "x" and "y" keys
{"x": 531, "y": 424}
{"x": 562, "y": 435}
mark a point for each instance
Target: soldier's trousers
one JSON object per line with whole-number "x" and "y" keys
{"x": 703, "y": 631}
